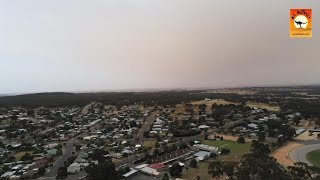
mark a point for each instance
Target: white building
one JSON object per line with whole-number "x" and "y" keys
{"x": 203, "y": 147}
{"x": 74, "y": 168}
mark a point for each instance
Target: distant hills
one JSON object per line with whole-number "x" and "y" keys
{"x": 171, "y": 97}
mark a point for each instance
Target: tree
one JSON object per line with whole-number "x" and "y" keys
{"x": 98, "y": 154}
{"x": 225, "y": 151}
{"x": 241, "y": 140}
{"x": 30, "y": 112}
{"x": 261, "y": 136}
{"x": 213, "y": 155}
{"x": 229, "y": 168}
{"x": 157, "y": 145}
{"x": 173, "y": 147}
{"x": 193, "y": 163}
{"x": 122, "y": 171}
{"x": 41, "y": 171}
{"x": 215, "y": 169}
{"x": 182, "y": 145}
{"x": 175, "y": 170}
{"x": 165, "y": 177}
{"x": 302, "y": 170}
{"x": 260, "y": 165}
{"x": 258, "y": 148}
{"x": 105, "y": 170}
{"x": 26, "y": 157}
{"x": 156, "y": 152}
{"x": 133, "y": 124}
{"x": 146, "y": 134}
{"x": 62, "y": 173}
{"x": 202, "y": 107}
{"x": 296, "y": 121}
{"x": 191, "y": 143}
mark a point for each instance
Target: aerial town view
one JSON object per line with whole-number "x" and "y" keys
{"x": 159, "y": 90}
{"x": 270, "y": 133}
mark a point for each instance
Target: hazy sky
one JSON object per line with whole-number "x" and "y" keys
{"x": 75, "y": 45}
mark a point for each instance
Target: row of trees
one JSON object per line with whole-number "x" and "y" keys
{"x": 259, "y": 165}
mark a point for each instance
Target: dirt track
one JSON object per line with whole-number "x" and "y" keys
{"x": 282, "y": 154}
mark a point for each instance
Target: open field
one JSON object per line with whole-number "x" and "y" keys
{"x": 237, "y": 149}
{"x": 18, "y": 155}
{"x": 306, "y": 94}
{"x": 228, "y": 137}
{"x": 202, "y": 170}
{"x": 213, "y": 101}
{"x": 149, "y": 143}
{"x": 232, "y": 91}
{"x": 307, "y": 136}
{"x": 181, "y": 108}
{"x": 263, "y": 106}
{"x": 314, "y": 157}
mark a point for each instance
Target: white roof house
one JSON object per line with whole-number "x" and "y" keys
{"x": 252, "y": 125}
{"x": 150, "y": 171}
{"x": 74, "y": 168}
{"x": 141, "y": 166}
{"x": 131, "y": 172}
{"x": 7, "y": 174}
{"x": 204, "y": 127}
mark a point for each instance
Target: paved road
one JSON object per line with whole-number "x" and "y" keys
{"x": 79, "y": 176}
{"x": 299, "y": 154}
{"x": 60, "y": 161}
{"x": 147, "y": 125}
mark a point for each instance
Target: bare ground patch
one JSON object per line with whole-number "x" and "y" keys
{"x": 282, "y": 154}
{"x": 269, "y": 107}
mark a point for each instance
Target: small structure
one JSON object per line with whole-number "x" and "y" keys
{"x": 203, "y": 147}
{"x": 299, "y": 131}
{"x": 202, "y": 155}
{"x": 117, "y": 155}
{"x": 130, "y": 173}
{"x": 314, "y": 130}
{"x": 7, "y": 174}
{"x": 204, "y": 127}
{"x": 149, "y": 171}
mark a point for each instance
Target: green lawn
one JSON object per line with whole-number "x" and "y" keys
{"x": 237, "y": 149}
{"x": 201, "y": 170}
{"x": 314, "y": 157}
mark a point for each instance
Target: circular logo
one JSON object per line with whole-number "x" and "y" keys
{"x": 301, "y": 22}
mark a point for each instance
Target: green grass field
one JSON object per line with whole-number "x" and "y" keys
{"x": 237, "y": 149}
{"x": 314, "y": 157}
{"x": 201, "y": 170}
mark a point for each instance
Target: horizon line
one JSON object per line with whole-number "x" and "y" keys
{"x": 156, "y": 89}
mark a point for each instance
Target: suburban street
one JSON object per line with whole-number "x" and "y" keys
{"x": 60, "y": 161}
{"x": 147, "y": 124}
